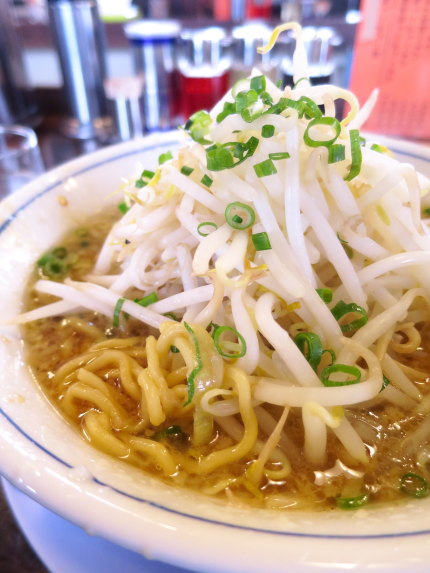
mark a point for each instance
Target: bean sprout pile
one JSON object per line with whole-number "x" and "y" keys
{"x": 283, "y": 260}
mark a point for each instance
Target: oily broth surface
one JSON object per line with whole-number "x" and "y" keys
{"x": 52, "y": 342}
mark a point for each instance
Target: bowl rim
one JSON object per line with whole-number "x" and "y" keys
{"x": 49, "y": 482}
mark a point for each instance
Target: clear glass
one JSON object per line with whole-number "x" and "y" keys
{"x": 20, "y": 159}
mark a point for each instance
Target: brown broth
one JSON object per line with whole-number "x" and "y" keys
{"x": 53, "y": 341}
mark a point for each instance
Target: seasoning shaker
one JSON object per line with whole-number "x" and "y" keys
{"x": 17, "y": 104}
{"x": 79, "y": 36}
{"x": 153, "y": 48}
{"x": 204, "y": 60}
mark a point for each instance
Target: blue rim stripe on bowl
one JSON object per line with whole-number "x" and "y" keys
{"x": 17, "y": 427}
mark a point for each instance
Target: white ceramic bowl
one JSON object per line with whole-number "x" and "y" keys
{"x": 44, "y": 457}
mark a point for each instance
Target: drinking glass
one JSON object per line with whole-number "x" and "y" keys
{"x": 20, "y": 159}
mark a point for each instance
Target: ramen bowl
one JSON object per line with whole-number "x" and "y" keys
{"x": 44, "y": 456}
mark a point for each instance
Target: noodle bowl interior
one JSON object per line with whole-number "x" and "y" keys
{"x": 253, "y": 321}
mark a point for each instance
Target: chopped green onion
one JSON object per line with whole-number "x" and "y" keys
{"x": 342, "y": 309}
{"x": 172, "y": 316}
{"x": 205, "y": 224}
{"x": 265, "y": 168}
{"x": 279, "y": 155}
{"x": 352, "y": 502}
{"x": 279, "y": 84}
{"x": 218, "y": 332}
{"x": 239, "y": 216}
{"x": 426, "y": 212}
{"x": 185, "y": 170}
{"x": 230, "y": 154}
{"x": 228, "y": 109}
{"x": 261, "y": 241}
{"x": 278, "y": 107}
{"x": 245, "y": 99}
{"x": 379, "y": 148}
{"x": 60, "y": 252}
{"x": 117, "y": 311}
{"x": 147, "y": 174}
{"x": 325, "y": 293}
{"x": 197, "y": 368}
{"x": 164, "y": 157}
{"x": 331, "y": 122}
{"x": 174, "y": 349}
{"x": 54, "y": 264}
{"x": 356, "y": 156}
{"x": 414, "y": 485}
{"x": 385, "y": 383}
{"x": 266, "y": 98}
{"x": 310, "y": 346}
{"x": 352, "y": 371}
{"x": 349, "y": 252}
{"x": 311, "y": 110}
{"x": 147, "y": 300}
{"x": 336, "y": 152}
{"x": 332, "y": 355}
{"x": 198, "y": 126}
{"x": 206, "y": 180}
{"x": 123, "y": 207}
{"x": 172, "y": 432}
{"x": 144, "y": 179}
{"x": 267, "y": 130}
{"x": 258, "y": 84}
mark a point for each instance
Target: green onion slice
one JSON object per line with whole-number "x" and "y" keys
{"x": 171, "y": 433}
{"x": 164, "y": 157}
{"x": 191, "y": 379}
{"x": 356, "y": 156}
{"x": 279, "y": 155}
{"x": 336, "y": 152}
{"x": 310, "y": 109}
{"x": 353, "y": 373}
{"x": 172, "y": 316}
{"x": 230, "y": 154}
{"x": 310, "y": 346}
{"x": 265, "y": 168}
{"x": 123, "y": 207}
{"x": 228, "y": 109}
{"x": 414, "y": 485}
{"x": 186, "y": 170}
{"x": 342, "y": 309}
{"x": 147, "y": 300}
{"x": 385, "y": 382}
{"x": 203, "y": 225}
{"x": 221, "y": 347}
{"x": 331, "y": 122}
{"x": 326, "y": 294}
{"x": 261, "y": 241}
{"x": 174, "y": 349}
{"x": 267, "y": 130}
{"x": 198, "y": 126}
{"x": 144, "y": 178}
{"x": 239, "y": 216}
{"x": 352, "y": 502}
{"x": 258, "y": 84}
{"x": 206, "y": 180}
{"x": 117, "y": 311}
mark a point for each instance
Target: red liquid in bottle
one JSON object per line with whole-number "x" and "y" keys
{"x": 201, "y": 93}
